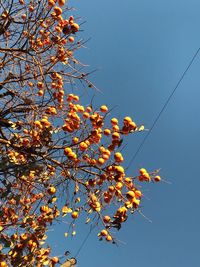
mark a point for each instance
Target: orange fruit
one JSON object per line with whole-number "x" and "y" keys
{"x": 75, "y": 214}
{"x": 3, "y": 264}
{"x": 51, "y": 2}
{"x": 127, "y": 120}
{"x": 51, "y": 190}
{"x": 58, "y": 10}
{"x": 55, "y": 260}
{"x": 109, "y": 238}
{"x": 118, "y": 157}
{"x": 106, "y": 219}
{"x": 40, "y": 85}
{"x": 44, "y": 209}
{"x": 104, "y": 232}
{"x": 142, "y": 171}
{"x": 138, "y": 193}
{"x": 67, "y": 150}
{"x": 74, "y": 27}
{"x": 101, "y": 161}
{"x": 119, "y": 169}
{"x": 114, "y": 121}
{"x": 61, "y": 2}
{"x": 130, "y": 195}
{"x": 103, "y": 108}
{"x": 115, "y": 135}
{"x": 23, "y": 16}
{"x": 157, "y": 178}
{"x": 107, "y": 132}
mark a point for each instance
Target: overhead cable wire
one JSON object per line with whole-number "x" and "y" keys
{"x": 148, "y": 133}
{"x": 84, "y": 241}
{"x": 163, "y": 108}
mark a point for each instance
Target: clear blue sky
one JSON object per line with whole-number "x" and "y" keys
{"x": 141, "y": 48}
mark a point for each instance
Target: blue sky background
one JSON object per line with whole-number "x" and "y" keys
{"x": 141, "y": 49}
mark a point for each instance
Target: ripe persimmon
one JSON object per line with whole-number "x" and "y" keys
{"x": 106, "y": 219}
{"x": 104, "y": 232}
{"x": 157, "y": 178}
{"x": 57, "y": 10}
{"x": 51, "y": 190}
{"x": 75, "y": 214}
{"x": 104, "y": 108}
{"x": 61, "y": 2}
{"x": 109, "y": 238}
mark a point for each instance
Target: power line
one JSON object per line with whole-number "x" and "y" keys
{"x": 147, "y": 135}
{"x": 84, "y": 241}
{"x": 163, "y": 108}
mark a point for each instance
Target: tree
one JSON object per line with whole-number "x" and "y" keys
{"x": 50, "y": 143}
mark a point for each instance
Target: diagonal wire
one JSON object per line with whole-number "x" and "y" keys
{"x": 163, "y": 108}
{"x": 147, "y": 135}
{"x": 84, "y": 241}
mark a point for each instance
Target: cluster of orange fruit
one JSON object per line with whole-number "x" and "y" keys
{"x": 110, "y": 181}
{"x": 62, "y": 142}
{"x": 78, "y": 115}
{"x": 63, "y": 32}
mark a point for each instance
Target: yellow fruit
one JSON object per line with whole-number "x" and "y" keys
{"x": 136, "y": 202}
{"x": 55, "y": 260}
{"x": 67, "y": 150}
{"x": 75, "y": 140}
{"x": 23, "y": 16}
{"x": 74, "y": 27}
{"x": 83, "y": 146}
{"x": 106, "y": 219}
{"x": 122, "y": 211}
{"x": 101, "y": 161}
{"x": 128, "y": 180}
{"x": 71, "y": 39}
{"x": 51, "y": 190}
{"x": 75, "y": 214}
{"x": 72, "y": 156}
{"x": 119, "y": 186}
{"x": 3, "y": 264}
{"x": 38, "y": 124}
{"x": 130, "y": 195}
{"x": 118, "y": 157}
{"x": 23, "y": 237}
{"x": 127, "y": 120}
{"x": 40, "y": 85}
{"x": 86, "y": 115}
{"x": 119, "y": 169}
{"x": 58, "y": 10}
{"x": 103, "y": 108}
{"x": 61, "y": 2}
{"x": 115, "y": 135}
{"x": 109, "y": 238}
{"x": 132, "y": 125}
{"x": 138, "y": 193}
{"x": 146, "y": 177}
{"x": 142, "y": 171}
{"x": 111, "y": 188}
{"x": 31, "y": 8}
{"x": 104, "y": 232}
{"x": 107, "y": 132}
{"x": 51, "y": 2}
{"x": 157, "y": 178}
{"x": 44, "y": 209}
{"x": 114, "y": 121}
{"x": 115, "y": 128}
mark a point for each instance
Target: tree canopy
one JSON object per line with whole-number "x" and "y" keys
{"x": 52, "y": 146}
